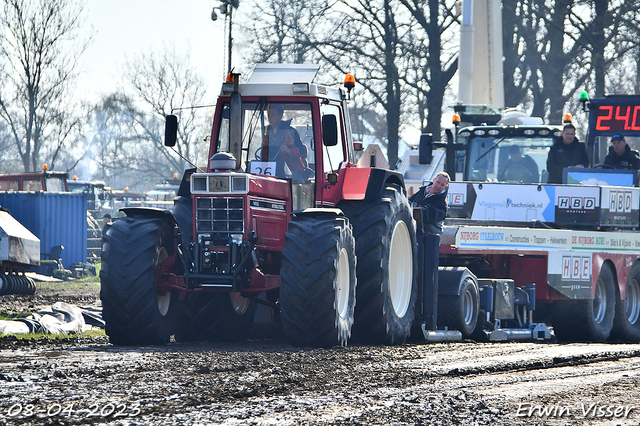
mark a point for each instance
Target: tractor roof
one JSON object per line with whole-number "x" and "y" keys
{"x": 285, "y": 80}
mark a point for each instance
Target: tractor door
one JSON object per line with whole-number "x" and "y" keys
{"x": 333, "y": 154}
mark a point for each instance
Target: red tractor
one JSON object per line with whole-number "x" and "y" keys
{"x": 281, "y": 217}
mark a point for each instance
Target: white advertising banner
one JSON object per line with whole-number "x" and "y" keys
{"x": 505, "y": 238}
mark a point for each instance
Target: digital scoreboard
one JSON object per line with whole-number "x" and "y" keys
{"x": 614, "y": 115}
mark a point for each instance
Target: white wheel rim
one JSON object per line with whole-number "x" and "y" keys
{"x": 343, "y": 279}
{"x": 164, "y": 300}
{"x": 600, "y": 301}
{"x": 238, "y": 303}
{"x": 468, "y": 308}
{"x": 632, "y": 302}
{"x": 400, "y": 268}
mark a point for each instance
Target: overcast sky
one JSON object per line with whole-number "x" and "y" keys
{"x": 124, "y": 28}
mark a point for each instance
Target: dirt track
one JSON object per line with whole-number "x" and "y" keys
{"x": 262, "y": 382}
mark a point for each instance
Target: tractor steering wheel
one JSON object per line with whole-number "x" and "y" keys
{"x": 519, "y": 174}
{"x": 258, "y": 154}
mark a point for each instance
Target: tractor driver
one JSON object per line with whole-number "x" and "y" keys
{"x": 519, "y": 167}
{"x": 281, "y": 143}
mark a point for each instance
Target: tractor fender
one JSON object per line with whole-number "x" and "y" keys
{"x": 149, "y": 212}
{"x": 368, "y": 183}
{"x": 317, "y": 212}
{"x": 183, "y": 220}
{"x": 184, "y": 190}
{"x": 450, "y": 279}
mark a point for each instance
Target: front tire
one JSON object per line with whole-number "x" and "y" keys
{"x": 387, "y": 268}
{"x": 318, "y": 289}
{"x": 133, "y": 311}
{"x": 626, "y": 325}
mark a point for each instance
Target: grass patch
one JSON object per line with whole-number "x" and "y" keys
{"x": 86, "y": 283}
{"x": 77, "y": 285}
{"x": 5, "y": 315}
{"x": 98, "y": 332}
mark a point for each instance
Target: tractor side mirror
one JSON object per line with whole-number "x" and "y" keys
{"x": 171, "y": 130}
{"x": 329, "y": 130}
{"x": 425, "y": 153}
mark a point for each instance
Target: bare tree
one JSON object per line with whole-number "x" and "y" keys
{"x": 114, "y": 146}
{"x": 280, "y": 30}
{"x": 366, "y": 40}
{"x": 159, "y": 84}
{"x": 433, "y": 65}
{"x": 40, "y": 43}
{"x": 553, "y": 49}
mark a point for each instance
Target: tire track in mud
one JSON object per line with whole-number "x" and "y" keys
{"x": 268, "y": 382}
{"x": 555, "y": 362}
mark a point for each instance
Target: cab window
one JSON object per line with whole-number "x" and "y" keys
{"x": 333, "y": 156}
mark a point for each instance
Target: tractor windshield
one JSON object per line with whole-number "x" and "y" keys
{"x": 507, "y": 158}
{"x": 277, "y": 139}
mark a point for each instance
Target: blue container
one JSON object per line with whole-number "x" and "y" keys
{"x": 57, "y": 218}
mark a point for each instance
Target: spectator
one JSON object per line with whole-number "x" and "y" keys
{"x": 105, "y": 220}
{"x": 567, "y": 151}
{"x": 432, "y": 201}
{"x": 621, "y": 156}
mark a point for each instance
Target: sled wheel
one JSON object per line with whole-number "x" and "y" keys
{"x": 588, "y": 320}
{"x": 460, "y": 312}
{"x": 626, "y": 325}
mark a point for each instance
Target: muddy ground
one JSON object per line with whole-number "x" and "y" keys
{"x": 267, "y": 381}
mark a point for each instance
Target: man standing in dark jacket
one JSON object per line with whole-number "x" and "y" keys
{"x": 568, "y": 151}
{"x": 621, "y": 156}
{"x": 432, "y": 200}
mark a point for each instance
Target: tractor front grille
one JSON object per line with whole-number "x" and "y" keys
{"x": 219, "y": 217}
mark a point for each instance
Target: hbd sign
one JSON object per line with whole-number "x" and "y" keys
{"x": 577, "y": 203}
{"x": 620, "y": 201}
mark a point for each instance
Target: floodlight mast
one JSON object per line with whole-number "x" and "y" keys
{"x": 226, "y": 8}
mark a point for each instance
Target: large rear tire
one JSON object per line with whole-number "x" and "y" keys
{"x": 387, "y": 268}
{"x": 588, "y": 320}
{"x": 215, "y": 317}
{"x": 626, "y": 325}
{"x": 133, "y": 311}
{"x": 318, "y": 288}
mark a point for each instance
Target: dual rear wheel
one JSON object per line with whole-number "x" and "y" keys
{"x": 626, "y": 325}
{"x": 604, "y": 317}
